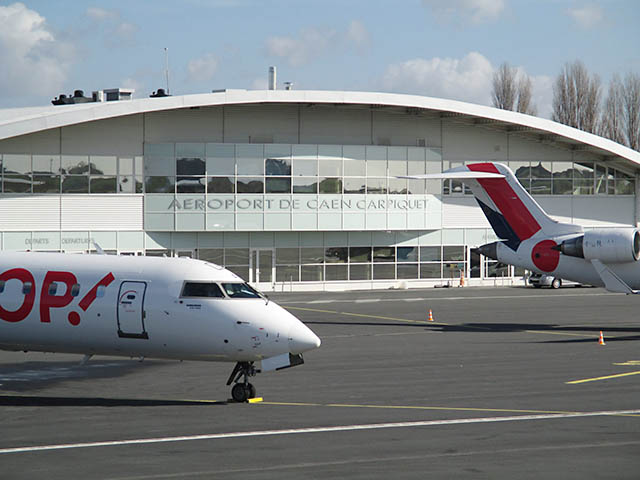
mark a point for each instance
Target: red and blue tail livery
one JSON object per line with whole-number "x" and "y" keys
{"x": 529, "y": 238}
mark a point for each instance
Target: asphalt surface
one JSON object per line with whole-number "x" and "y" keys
{"x": 481, "y": 392}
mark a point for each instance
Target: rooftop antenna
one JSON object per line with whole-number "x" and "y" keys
{"x": 166, "y": 66}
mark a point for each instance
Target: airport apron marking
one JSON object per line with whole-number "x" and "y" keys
{"x": 606, "y": 377}
{"x": 294, "y": 431}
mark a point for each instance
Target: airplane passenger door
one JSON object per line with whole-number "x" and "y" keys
{"x": 131, "y": 310}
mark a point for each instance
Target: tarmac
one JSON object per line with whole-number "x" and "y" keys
{"x": 504, "y": 383}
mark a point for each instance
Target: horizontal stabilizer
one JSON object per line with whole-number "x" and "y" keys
{"x": 462, "y": 175}
{"x": 612, "y": 282}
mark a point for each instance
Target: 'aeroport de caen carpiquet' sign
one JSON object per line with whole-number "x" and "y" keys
{"x": 289, "y": 204}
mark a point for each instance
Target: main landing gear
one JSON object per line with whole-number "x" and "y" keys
{"x": 242, "y": 390}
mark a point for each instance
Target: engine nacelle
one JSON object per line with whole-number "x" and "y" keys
{"x": 608, "y": 246}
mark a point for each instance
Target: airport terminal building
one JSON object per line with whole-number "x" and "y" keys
{"x": 294, "y": 190}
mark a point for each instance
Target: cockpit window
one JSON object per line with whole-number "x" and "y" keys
{"x": 197, "y": 289}
{"x": 240, "y": 290}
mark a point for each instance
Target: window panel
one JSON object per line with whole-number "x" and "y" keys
{"x": 159, "y": 166}
{"x": 250, "y": 159}
{"x": 190, "y": 185}
{"x": 407, "y": 254}
{"x": 312, "y": 255}
{"x": 75, "y": 164}
{"x": 126, "y": 184}
{"x": 397, "y": 186}
{"x": 430, "y": 270}
{"x": 407, "y": 270}
{"x": 453, "y": 253}
{"x": 278, "y": 185}
{"x": 190, "y": 166}
{"x": 336, "y": 255}
{"x": 430, "y": 254}
{"x": 221, "y": 185}
{"x": 541, "y": 170}
{"x": 583, "y": 186}
{"x": 287, "y": 273}
{"x": 159, "y": 149}
{"x": 330, "y": 167}
{"x": 250, "y": 185}
{"x": 125, "y": 166}
{"x": 190, "y": 150}
{"x": 305, "y": 185}
{"x": 242, "y": 272}
{"x": 360, "y": 272}
{"x": 75, "y": 184}
{"x": 212, "y": 255}
{"x": 46, "y": 164}
{"x": 384, "y": 272}
{"x": 286, "y": 256}
{"x": 418, "y": 187}
{"x": 102, "y": 184}
{"x": 583, "y": 170}
{"x": 17, "y": 183}
{"x": 46, "y": 184}
{"x": 307, "y": 167}
{"x": 277, "y": 166}
{"x": 311, "y": 273}
{"x": 335, "y": 272}
{"x": 236, "y": 256}
{"x": 360, "y": 254}
{"x": 384, "y": 254}
{"x": 159, "y": 184}
{"x": 541, "y": 187}
{"x": 330, "y": 185}
{"x": 562, "y": 186}
{"x": 354, "y": 185}
{"x": 17, "y": 164}
{"x": 102, "y": 165}
{"x": 376, "y": 186}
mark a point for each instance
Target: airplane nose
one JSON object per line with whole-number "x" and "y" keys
{"x": 302, "y": 339}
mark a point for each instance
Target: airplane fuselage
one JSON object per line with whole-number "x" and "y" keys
{"x": 140, "y": 306}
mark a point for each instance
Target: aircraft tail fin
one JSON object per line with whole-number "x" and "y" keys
{"x": 513, "y": 214}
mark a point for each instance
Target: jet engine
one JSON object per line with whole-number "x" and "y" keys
{"x": 608, "y": 246}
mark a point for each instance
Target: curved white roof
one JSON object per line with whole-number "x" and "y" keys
{"x": 22, "y": 121}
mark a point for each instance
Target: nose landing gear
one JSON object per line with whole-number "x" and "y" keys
{"x": 242, "y": 390}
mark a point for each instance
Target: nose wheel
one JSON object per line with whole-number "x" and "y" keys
{"x": 242, "y": 390}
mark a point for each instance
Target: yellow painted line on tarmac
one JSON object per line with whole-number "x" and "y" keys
{"x": 424, "y": 322}
{"x": 364, "y": 315}
{"x": 607, "y": 377}
{"x": 435, "y": 408}
{"x": 256, "y": 400}
{"x": 629, "y": 363}
{"x": 544, "y": 332}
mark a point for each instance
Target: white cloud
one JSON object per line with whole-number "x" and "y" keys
{"x": 358, "y": 34}
{"x": 587, "y": 16}
{"x": 467, "y": 79}
{"x": 202, "y": 69}
{"x": 476, "y": 11}
{"x": 117, "y": 32}
{"x": 101, "y": 14}
{"x": 312, "y": 42}
{"x": 33, "y": 60}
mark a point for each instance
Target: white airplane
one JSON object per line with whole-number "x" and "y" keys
{"x": 176, "y": 308}
{"x": 529, "y": 238}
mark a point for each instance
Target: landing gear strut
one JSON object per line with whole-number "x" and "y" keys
{"x": 242, "y": 390}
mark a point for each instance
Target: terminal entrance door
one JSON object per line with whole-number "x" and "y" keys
{"x": 262, "y": 268}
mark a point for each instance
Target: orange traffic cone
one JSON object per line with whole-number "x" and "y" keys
{"x": 430, "y": 315}
{"x": 601, "y": 339}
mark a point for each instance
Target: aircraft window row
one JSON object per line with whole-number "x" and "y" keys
{"x": 213, "y": 290}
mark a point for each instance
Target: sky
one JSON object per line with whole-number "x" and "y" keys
{"x": 447, "y": 49}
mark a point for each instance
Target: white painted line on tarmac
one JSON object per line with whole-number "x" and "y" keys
{"x": 437, "y": 299}
{"x": 294, "y": 431}
{"x": 367, "y": 300}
